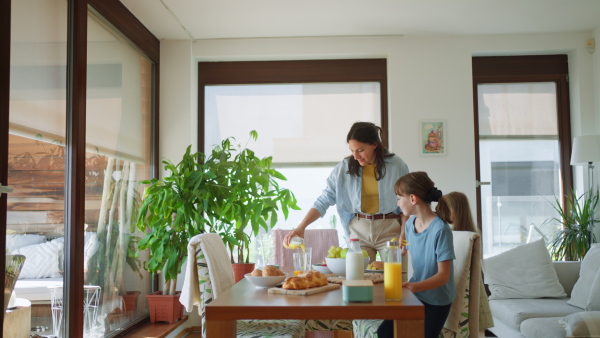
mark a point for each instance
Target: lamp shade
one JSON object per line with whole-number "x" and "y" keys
{"x": 586, "y": 149}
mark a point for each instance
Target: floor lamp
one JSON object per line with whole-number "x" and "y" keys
{"x": 586, "y": 150}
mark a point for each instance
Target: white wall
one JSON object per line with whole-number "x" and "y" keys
{"x": 428, "y": 77}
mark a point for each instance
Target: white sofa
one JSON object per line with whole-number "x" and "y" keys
{"x": 44, "y": 261}
{"x": 576, "y": 315}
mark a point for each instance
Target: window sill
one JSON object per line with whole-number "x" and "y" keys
{"x": 156, "y": 330}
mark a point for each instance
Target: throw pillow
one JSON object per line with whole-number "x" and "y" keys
{"x": 41, "y": 260}
{"x": 582, "y": 324}
{"x": 17, "y": 241}
{"x": 582, "y": 291}
{"x": 593, "y": 303}
{"x": 523, "y": 272}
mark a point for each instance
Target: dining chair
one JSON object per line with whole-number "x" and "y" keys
{"x": 209, "y": 274}
{"x": 320, "y": 240}
{"x": 463, "y": 318}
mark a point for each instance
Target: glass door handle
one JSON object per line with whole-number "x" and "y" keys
{"x": 482, "y": 183}
{"x": 5, "y": 189}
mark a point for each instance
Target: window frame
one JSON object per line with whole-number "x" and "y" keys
{"x": 298, "y": 71}
{"x": 527, "y": 68}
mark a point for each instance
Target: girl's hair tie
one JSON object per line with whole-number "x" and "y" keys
{"x": 434, "y": 195}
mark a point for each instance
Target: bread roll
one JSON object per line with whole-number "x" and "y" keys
{"x": 270, "y": 270}
{"x": 256, "y": 273}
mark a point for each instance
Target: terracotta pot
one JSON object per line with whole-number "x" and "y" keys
{"x": 164, "y": 308}
{"x": 130, "y": 302}
{"x": 240, "y": 269}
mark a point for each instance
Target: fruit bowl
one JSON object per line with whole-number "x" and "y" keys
{"x": 322, "y": 268}
{"x": 338, "y": 265}
{"x": 264, "y": 282}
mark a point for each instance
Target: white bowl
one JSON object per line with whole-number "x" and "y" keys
{"x": 322, "y": 268}
{"x": 338, "y": 265}
{"x": 265, "y": 282}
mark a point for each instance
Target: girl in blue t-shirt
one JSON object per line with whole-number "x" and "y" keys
{"x": 431, "y": 250}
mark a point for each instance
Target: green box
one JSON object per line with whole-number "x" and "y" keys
{"x": 357, "y": 291}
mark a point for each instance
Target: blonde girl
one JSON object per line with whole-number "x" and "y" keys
{"x": 454, "y": 209}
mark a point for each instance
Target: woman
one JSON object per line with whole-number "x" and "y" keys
{"x": 362, "y": 188}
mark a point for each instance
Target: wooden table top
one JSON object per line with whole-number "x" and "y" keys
{"x": 245, "y": 301}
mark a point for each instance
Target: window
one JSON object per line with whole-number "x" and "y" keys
{"x": 302, "y": 111}
{"x": 69, "y": 188}
{"x": 523, "y": 146}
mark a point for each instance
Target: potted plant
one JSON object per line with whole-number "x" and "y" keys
{"x": 248, "y": 196}
{"x": 173, "y": 211}
{"x": 573, "y": 240}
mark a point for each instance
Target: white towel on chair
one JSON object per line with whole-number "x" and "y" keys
{"x": 219, "y": 269}
{"x": 219, "y": 265}
{"x": 190, "y": 292}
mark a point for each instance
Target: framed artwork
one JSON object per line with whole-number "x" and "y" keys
{"x": 433, "y": 138}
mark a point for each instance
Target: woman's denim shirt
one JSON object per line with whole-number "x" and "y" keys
{"x": 344, "y": 190}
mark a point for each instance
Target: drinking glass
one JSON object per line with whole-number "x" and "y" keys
{"x": 392, "y": 272}
{"x": 302, "y": 260}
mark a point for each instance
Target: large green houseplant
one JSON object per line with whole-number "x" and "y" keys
{"x": 248, "y": 195}
{"x": 173, "y": 210}
{"x": 574, "y": 237}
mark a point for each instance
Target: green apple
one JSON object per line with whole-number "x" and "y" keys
{"x": 365, "y": 254}
{"x": 343, "y": 253}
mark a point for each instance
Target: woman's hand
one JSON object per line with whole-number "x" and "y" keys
{"x": 295, "y": 232}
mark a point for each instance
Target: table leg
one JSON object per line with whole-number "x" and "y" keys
{"x": 409, "y": 328}
{"x": 221, "y": 328}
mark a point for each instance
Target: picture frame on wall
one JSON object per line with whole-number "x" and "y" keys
{"x": 433, "y": 138}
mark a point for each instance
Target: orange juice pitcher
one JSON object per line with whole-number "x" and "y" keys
{"x": 296, "y": 242}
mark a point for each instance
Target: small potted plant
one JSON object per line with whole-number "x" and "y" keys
{"x": 173, "y": 210}
{"x": 573, "y": 240}
{"x": 249, "y": 198}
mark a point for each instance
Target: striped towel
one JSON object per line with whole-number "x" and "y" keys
{"x": 219, "y": 267}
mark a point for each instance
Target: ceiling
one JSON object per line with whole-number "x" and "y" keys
{"x": 223, "y": 19}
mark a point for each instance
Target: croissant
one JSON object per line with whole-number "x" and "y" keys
{"x": 307, "y": 280}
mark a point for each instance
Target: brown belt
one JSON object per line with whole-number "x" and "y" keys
{"x": 377, "y": 216}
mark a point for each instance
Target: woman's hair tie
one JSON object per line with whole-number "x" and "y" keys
{"x": 434, "y": 195}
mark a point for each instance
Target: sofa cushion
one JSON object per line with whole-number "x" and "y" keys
{"x": 514, "y": 311}
{"x": 41, "y": 260}
{"x": 582, "y": 324}
{"x": 523, "y": 272}
{"x": 586, "y": 292}
{"x": 543, "y": 328}
{"x": 17, "y": 241}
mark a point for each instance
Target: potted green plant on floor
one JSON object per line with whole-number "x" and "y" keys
{"x": 173, "y": 210}
{"x": 248, "y": 196}
{"x": 576, "y": 220}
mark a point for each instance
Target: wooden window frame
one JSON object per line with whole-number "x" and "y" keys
{"x": 302, "y": 71}
{"x": 528, "y": 68}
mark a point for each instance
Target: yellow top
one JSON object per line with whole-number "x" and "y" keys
{"x": 370, "y": 190}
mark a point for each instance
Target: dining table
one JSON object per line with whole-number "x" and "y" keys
{"x": 245, "y": 301}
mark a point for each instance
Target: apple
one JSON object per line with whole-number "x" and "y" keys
{"x": 343, "y": 253}
{"x": 365, "y": 254}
